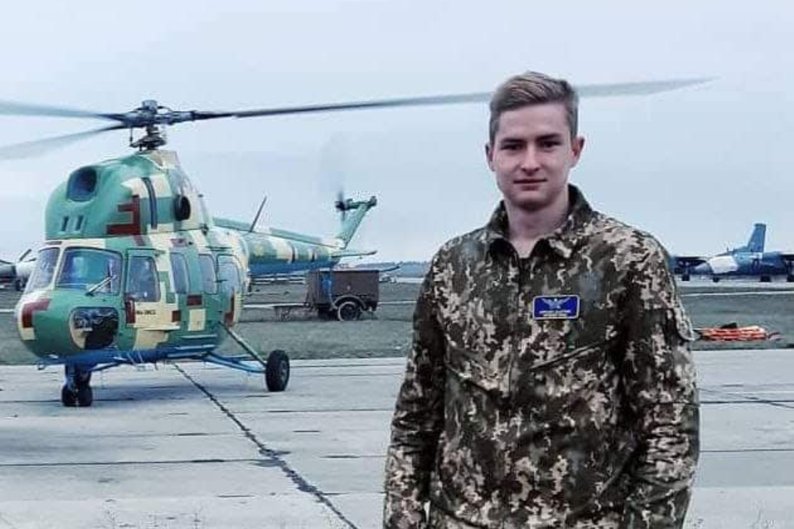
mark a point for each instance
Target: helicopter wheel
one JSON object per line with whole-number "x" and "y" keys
{"x": 68, "y": 396}
{"x": 277, "y": 371}
{"x": 85, "y": 396}
{"x": 77, "y": 389}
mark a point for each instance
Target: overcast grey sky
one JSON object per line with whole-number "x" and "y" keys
{"x": 696, "y": 167}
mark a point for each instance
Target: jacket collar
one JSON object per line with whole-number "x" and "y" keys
{"x": 564, "y": 240}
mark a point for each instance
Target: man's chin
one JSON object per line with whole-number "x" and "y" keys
{"x": 530, "y": 201}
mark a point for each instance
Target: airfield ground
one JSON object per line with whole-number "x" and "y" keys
{"x": 200, "y": 447}
{"x": 388, "y": 332}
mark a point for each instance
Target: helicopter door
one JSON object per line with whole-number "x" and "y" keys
{"x": 231, "y": 288}
{"x": 144, "y": 305}
{"x": 209, "y": 281}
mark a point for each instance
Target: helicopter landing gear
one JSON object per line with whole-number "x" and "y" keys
{"x": 275, "y": 368}
{"x": 77, "y": 391}
{"x": 277, "y": 371}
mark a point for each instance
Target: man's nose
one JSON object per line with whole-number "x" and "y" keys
{"x": 529, "y": 161}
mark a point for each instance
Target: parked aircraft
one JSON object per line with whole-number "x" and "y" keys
{"x": 749, "y": 260}
{"x": 17, "y": 272}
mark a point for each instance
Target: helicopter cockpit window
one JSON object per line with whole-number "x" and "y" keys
{"x": 229, "y": 273}
{"x": 45, "y": 269}
{"x": 208, "y": 277}
{"x": 84, "y": 268}
{"x": 142, "y": 283}
{"x": 179, "y": 269}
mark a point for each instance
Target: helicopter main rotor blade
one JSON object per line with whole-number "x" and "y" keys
{"x": 589, "y": 90}
{"x": 636, "y": 89}
{"x": 152, "y": 116}
{"x": 402, "y": 102}
{"x": 36, "y": 147}
{"x": 10, "y": 108}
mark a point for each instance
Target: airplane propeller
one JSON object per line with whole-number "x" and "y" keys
{"x": 152, "y": 116}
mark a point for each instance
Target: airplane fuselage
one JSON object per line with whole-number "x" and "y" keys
{"x": 750, "y": 264}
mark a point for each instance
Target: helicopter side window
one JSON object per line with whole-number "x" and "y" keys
{"x": 45, "y": 269}
{"x": 229, "y": 273}
{"x": 142, "y": 283}
{"x": 179, "y": 269}
{"x": 209, "y": 280}
{"x": 84, "y": 268}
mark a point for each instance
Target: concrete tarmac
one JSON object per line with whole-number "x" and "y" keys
{"x": 200, "y": 447}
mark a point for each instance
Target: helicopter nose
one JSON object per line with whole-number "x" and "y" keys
{"x": 55, "y": 326}
{"x": 25, "y": 312}
{"x": 94, "y": 327}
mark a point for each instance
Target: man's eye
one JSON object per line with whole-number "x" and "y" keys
{"x": 511, "y": 146}
{"x": 549, "y": 144}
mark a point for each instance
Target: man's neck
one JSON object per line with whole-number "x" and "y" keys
{"x": 526, "y": 227}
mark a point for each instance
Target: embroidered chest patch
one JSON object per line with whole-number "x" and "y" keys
{"x": 555, "y": 307}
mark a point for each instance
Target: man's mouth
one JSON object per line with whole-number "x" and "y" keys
{"x": 529, "y": 181}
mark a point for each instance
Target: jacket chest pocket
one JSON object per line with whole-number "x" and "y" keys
{"x": 576, "y": 378}
{"x": 595, "y": 324}
{"x": 481, "y": 322}
{"x": 561, "y": 337}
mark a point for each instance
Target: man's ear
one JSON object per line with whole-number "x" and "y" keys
{"x": 577, "y": 145}
{"x": 489, "y": 155}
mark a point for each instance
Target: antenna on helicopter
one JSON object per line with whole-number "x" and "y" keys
{"x": 258, "y": 212}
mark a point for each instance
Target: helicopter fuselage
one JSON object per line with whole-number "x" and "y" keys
{"x": 133, "y": 268}
{"x": 143, "y": 298}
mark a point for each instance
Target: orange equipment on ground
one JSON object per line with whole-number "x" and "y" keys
{"x": 733, "y": 333}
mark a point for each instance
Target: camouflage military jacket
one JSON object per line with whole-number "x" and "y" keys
{"x": 556, "y": 390}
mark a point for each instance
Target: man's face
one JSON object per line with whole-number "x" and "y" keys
{"x": 532, "y": 154}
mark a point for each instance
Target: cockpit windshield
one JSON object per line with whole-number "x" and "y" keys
{"x": 42, "y": 274}
{"x": 84, "y": 268}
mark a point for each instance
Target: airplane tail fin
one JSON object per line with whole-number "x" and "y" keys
{"x": 352, "y": 214}
{"x": 757, "y": 239}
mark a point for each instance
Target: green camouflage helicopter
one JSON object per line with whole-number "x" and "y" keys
{"x": 135, "y": 270}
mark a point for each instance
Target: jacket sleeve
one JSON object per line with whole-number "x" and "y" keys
{"x": 418, "y": 419}
{"x": 659, "y": 383}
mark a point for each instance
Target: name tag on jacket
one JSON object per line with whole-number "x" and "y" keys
{"x": 555, "y": 307}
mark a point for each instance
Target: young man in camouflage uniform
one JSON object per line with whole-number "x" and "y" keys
{"x": 550, "y": 382}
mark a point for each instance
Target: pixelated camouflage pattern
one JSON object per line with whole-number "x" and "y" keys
{"x": 129, "y": 206}
{"x": 508, "y": 421}
{"x": 119, "y": 183}
{"x": 123, "y": 185}
{"x": 118, "y": 216}
{"x": 195, "y": 315}
{"x": 274, "y": 250}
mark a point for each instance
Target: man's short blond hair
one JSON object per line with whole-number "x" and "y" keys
{"x": 533, "y": 88}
